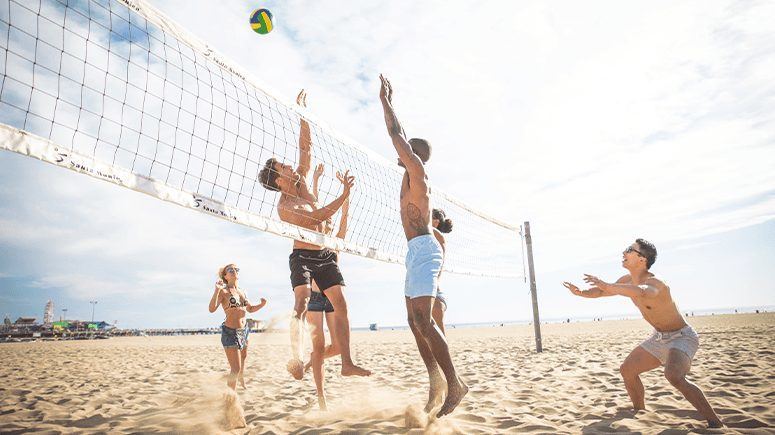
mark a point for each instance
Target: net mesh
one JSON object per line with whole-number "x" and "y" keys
{"x": 118, "y": 82}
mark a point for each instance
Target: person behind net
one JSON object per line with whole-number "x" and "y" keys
{"x": 673, "y": 342}
{"x": 319, "y": 304}
{"x": 234, "y": 331}
{"x": 423, "y": 262}
{"x": 440, "y": 225}
{"x": 308, "y": 261}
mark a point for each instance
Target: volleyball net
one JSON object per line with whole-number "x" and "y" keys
{"x": 116, "y": 90}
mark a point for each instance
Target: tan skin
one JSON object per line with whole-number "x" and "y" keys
{"x": 298, "y": 206}
{"x": 416, "y": 220}
{"x": 225, "y": 288}
{"x": 438, "y": 309}
{"x": 652, "y": 297}
{"x": 319, "y": 349}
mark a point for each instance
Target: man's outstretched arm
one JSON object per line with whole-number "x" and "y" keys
{"x": 649, "y": 289}
{"x": 592, "y": 293}
{"x": 410, "y": 160}
{"x": 300, "y": 216}
{"x": 305, "y": 139}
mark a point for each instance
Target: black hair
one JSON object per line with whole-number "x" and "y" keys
{"x": 445, "y": 225}
{"x": 648, "y": 250}
{"x": 268, "y": 175}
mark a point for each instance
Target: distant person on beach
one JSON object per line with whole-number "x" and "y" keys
{"x": 441, "y": 224}
{"x": 673, "y": 343}
{"x": 234, "y": 332}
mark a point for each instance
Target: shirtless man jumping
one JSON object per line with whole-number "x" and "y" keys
{"x": 298, "y": 206}
{"x": 423, "y": 262}
{"x": 673, "y": 343}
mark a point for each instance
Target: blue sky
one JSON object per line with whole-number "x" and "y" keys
{"x": 654, "y": 122}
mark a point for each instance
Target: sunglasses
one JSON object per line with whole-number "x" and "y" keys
{"x": 232, "y": 269}
{"x": 631, "y": 249}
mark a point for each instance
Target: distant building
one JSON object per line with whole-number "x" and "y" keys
{"x": 82, "y": 325}
{"x": 256, "y": 325}
{"x": 25, "y": 321}
{"x": 48, "y": 313}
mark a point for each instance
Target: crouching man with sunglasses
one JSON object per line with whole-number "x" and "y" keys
{"x": 673, "y": 343}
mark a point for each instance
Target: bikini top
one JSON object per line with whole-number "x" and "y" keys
{"x": 234, "y": 304}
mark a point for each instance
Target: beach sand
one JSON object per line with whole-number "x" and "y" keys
{"x": 142, "y": 384}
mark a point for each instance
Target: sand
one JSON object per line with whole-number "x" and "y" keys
{"x": 164, "y": 384}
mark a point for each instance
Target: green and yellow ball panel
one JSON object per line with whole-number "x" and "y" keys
{"x": 261, "y": 21}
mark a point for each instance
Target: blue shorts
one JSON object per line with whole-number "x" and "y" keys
{"x": 318, "y": 302}
{"x": 423, "y": 264}
{"x": 231, "y": 337}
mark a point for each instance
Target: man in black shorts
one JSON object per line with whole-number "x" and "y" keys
{"x": 298, "y": 206}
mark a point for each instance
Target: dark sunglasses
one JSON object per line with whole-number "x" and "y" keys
{"x": 232, "y": 269}
{"x": 631, "y": 249}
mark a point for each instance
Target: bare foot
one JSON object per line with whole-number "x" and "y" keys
{"x": 308, "y": 365}
{"x": 354, "y": 370}
{"x": 455, "y": 394}
{"x": 242, "y": 380}
{"x": 435, "y": 393}
{"x": 296, "y": 368}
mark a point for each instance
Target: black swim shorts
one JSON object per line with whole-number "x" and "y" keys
{"x": 309, "y": 264}
{"x": 318, "y": 302}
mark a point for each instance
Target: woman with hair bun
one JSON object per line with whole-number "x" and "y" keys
{"x": 234, "y": 331}
{"x": 441, "y": 224}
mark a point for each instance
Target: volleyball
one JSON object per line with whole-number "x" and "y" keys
{"x": 261, "y": 21}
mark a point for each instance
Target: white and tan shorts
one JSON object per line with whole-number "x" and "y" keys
{"x": 659, "y": 343}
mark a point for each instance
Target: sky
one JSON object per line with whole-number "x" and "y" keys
{"x": 598, "y": 123}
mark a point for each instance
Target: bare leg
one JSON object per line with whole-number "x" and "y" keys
{"x": 341, "y": 332}
{"x": 243, "y": 357}
{"x": 295, "y": 365}
{"x": 438, "y": 315}
{"x": 232, "y": 354}
{"x": 421, "y": 308}
{"x": 678, "y": 365}
{"x": 637, "y": 362}
{"x": 331, "y": 349}
{"x": 438, "y": 385}
{"x": 315, "y": 319}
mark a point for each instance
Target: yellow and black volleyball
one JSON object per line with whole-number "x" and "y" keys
{"x": 261, "y": 21}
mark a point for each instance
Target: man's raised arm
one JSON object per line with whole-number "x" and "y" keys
{"x": 305, "y": 139}
{"x": 410, "y": 160}
{"x": 343, "y": 220}
{"x": 302, "y": 217}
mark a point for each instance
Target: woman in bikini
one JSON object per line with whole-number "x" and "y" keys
{"x": 440, "y": 225}
{"x": 234, "y": 331}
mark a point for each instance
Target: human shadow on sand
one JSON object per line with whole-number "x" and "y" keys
{"x": 606, "y": 425}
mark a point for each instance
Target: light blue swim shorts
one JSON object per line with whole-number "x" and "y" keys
{"x": 423, "y": 264}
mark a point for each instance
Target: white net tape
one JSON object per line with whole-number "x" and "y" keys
{"x": 116, "y": 90}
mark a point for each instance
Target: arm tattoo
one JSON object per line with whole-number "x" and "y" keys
{"x": 393, "y": 125}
